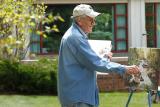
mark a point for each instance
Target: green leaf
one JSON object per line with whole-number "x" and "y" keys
{"x": 44, "y": 35}
{"x": 32, "y": 24}
{"x": 61, "y": 19}
{"x": 54, "y": 28}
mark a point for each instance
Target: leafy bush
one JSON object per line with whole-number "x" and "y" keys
{"x": 29, "y": 78}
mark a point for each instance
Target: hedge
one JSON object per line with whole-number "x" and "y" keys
{"x": 29, "y": 78}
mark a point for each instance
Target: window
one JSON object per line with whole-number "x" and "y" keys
{"x": 153, "y": 24}
{"x": 110, "y": 25}
{"x": 120, "y": 27}
{"x": 50, "y": 45}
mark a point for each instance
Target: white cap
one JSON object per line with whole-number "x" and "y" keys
{"x": 84, "y": 9}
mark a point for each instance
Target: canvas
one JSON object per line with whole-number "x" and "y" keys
{"x": 148, "y": 60}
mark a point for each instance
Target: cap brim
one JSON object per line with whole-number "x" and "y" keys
{"x": 94, "y": 14}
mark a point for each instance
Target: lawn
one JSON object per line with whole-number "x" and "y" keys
{"x": 106, "y": 100}
{"x": 120, "y": 99}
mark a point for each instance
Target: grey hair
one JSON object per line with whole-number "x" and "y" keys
{"x": 79, "y": 17}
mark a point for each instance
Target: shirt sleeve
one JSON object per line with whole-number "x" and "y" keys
{"x": 86, "y": 57}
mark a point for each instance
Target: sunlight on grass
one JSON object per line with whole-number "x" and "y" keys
{"x": 108, "y": 99}
{"x": 28, "y": 101}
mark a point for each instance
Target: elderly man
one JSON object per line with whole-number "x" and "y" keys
{"x": 78, "y": 63}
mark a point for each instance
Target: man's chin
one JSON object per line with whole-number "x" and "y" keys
{"x": 90, "y": 31}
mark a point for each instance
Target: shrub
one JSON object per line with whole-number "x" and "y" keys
{"x": 29, "y": 78}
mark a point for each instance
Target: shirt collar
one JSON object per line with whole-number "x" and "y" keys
{"x": 80, "y": 30}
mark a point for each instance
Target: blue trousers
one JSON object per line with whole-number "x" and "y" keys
{"x": 79, "y": 105}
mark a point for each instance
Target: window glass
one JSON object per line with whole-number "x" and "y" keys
{"x": 50, "y": 44}
{"x": 121, "y": 45}
{"x": 35, "y": 43}
{"x": 121, "y": 34}
{"x": 35, "y": 48}
{"x": 150, "y": 24}
{"x": 150, "y": 8}
{"x": 150, "y": 32}
{"x": 103, "y": 28}
{"x": 112, "y": 17}
{"x": 35, "y": 37}
{"x": 150, "y": 21}
{"x": 121, "y": 28}
{"x": 158, "y": 25}
{"x": 121, "y": 21}
{"x": 111, "y": 25}
{"x": 121, "y": 9}
{"x": 150, "y": 43}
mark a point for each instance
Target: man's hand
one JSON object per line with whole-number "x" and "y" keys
{"x": 132, "y": 70}
{"x": 108, "y": 55}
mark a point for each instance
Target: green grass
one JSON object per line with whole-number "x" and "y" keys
{"x": 120, "y": 99}
{"x": 106, "y": 100}
{"x": 28, "y": 101}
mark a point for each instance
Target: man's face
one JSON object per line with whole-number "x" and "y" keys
{"x": 87, "y": 23}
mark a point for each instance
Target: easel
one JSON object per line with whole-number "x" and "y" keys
{"x": 146, "y": 83}
{"x": 132, "y": 90}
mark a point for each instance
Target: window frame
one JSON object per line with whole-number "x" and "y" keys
{"x": 155, "y": 22}
{"x": 116, "y": 40}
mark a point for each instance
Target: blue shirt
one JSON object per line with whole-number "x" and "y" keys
{"x": 78, "y": 64}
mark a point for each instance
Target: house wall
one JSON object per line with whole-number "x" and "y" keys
{"x": 112, "y": 81}
{"x": 80, "y": 1}
{"x": 136, "y": 17}
{"x": 136, "y": 35}
{"x": 136, "y": 23}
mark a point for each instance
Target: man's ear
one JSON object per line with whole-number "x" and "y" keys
{"x": 79, "y": 22}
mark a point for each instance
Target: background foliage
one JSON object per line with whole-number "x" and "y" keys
{"x": 38, "y": 77}
{"x": 20, "y": 18}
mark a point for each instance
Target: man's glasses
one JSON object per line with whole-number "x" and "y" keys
{"x": 92, "y": 20}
